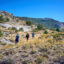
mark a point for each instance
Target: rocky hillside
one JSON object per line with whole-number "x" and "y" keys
{"x": 8, "y": 17}
{"x": 4, "y": 16}
{"x": 46, "y": 22}
{"x": 9, "y": 21}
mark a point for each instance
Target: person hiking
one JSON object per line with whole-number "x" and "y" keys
{"x": 27, "y": 36}
{"x": 32, "y": 34}
{"x": 17, "y": 38}
{"x": 62, "y": 62}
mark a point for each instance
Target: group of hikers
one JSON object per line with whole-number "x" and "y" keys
{"x": 27, "y": 37}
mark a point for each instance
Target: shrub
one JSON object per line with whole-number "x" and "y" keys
{"x": 9, "y": 28}
{"x": 1, "y": 33}
{"x": 39, "y": 27}
{"x": 45, "y": 32}
{"x": 1, "y": 19}
{"x": 29, "y": 23}
{"x": 13, "y": 28}
{"x": 57, "y": 29}
{"x": 35, "y": 30}
{"x": 7, "y": 19}
{"x": 3, "y": 44}
{"x": 21, "y": 29}
{"x": 39, "y": 60}
{"x": 55, "y": 36}
{"x": 33, "y": 52}
{"x": 16, "y": 30}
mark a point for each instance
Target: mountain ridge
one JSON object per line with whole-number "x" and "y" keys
{"x": 46, "y": 22}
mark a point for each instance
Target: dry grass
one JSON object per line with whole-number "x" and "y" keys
{"x": 39, "y": 42}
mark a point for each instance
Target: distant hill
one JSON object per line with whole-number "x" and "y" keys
{"x": 46, "y": 22}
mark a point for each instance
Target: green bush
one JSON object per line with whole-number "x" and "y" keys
{"x": 57, "y": 29}
{"x": 13, "y": 28}
{"x": 45, "y": 32}
{"x": 39, "y": 60}
{"x": 9, "y": 28}
{"x": 1, "y": 33}
{"x": 33, "y": 52}
{"x": 7, "y": 19}
{"x": 35, "y": 30}
{"x": 21, "y": 29}
{"x": 1, "y": 19}
{"x": 56, "y": 35}
{"x": 29, "y": 23}
{"x": 3, "y": 44}
{"x": 16, "y": 30}
{"x": 39, "y": 27}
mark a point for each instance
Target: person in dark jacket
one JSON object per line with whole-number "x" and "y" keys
{"x": 27, "y": 36}
{"x": 62, "y": 62}
{"x": 32, "y": 34}
{"x": 17, "y": 38}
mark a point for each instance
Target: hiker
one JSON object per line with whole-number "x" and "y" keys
{"x": 27, "y": 36}
{"x": 32, "y": 34}
{"x": 62, "y": 62}
{"x": 17, "y": 38}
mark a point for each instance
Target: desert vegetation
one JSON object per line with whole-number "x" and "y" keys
{"x": 1, "y": 19}
{"x": 28, "y": 23}
{"x": 45, "y": 48}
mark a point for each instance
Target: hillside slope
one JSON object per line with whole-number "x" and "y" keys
{"x": 43, "y": 49}
{"x": 46, "y": 22}
{"x": 8, "y": 17}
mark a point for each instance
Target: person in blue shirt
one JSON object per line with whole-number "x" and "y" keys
{"x": 17, "y": 38}
{"x": 32, "y": 34}
{"x": 62, "y": 62}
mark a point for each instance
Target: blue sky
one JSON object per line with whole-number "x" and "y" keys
{"x": 35, "y": 8}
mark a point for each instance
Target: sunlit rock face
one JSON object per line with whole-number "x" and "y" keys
{"x": 5, "y": 25}
{"x": 25, "y": 28}
{"x": 59, "y": 25}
